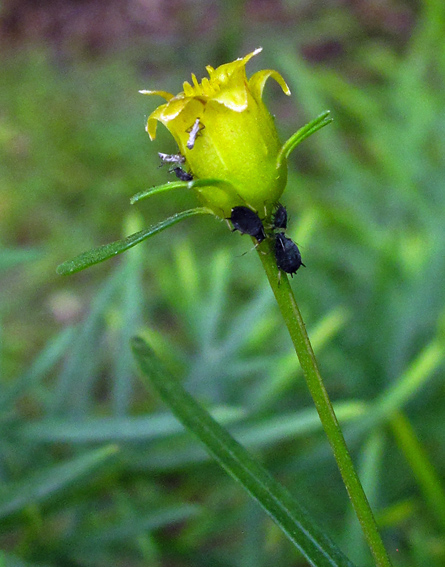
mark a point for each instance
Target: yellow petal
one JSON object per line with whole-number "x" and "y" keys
{"x": 164, "y": 94}
{"x": 165, "y": 113}
{"x": 233, "y": 89}
{"x": 258, "y": 80}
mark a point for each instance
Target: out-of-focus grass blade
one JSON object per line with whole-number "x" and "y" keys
{"x": 72, "y": 393}
{"x": 52, "y": 352}
{"x": 421, "y": 369}
{"x": 170, "y": 456}
{"x": 129, "y": 529}
{"x": 106, "y": 251}
{"x": 286, "y": 369}
{"x": 427, "y": 477}
{"x": 370, "y": 471}
{"x": 315, "y": 545}
{"x": 42, "y": 485}
{"x": 130, "y": 294}
{"x": 9, "y": 560}
{"x": 116, "y": 429}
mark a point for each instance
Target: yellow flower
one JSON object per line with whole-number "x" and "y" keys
{"x": 225, "y": 132}
{"x": 229, "y": 140}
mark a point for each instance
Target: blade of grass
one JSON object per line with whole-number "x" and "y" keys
{"x": 51, "y": 353}
{"x": 427, "y": 477}
{"x": 286, "y": 371}
{"x": 131, "y": 307}
{"x": 318, "y": 549}
{"x": 129, "y": 529}
{"x": 419, "y": 372}
{"x": 42, "y": 485}
{"x": 370, "y": 468}
{"x": 117, "y": 429}
{"x": 72, "y": 393}
{"x": 9, "y": 560}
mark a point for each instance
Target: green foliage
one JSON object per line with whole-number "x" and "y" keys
{"x": 366, "y": 203}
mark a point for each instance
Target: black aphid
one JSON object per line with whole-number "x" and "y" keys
{"x": 287, "y": 254}
{"x": 280, "y": 218}
{"x": 181, "y": 174}
{"x": 247, "y": 222}
{"x": 194, "y": 133}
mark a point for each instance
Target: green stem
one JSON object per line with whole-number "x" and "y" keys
{"x": 297, "y": 330}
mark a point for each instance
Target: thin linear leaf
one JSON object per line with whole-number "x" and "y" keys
{"x": 322, "y": 120}
{"x": 106, "y": 251}
{"x": 40, "y": 486}
{"x": 315, "y": 545}
{"x": 195, "y": 184}
{"x": 158, "y": 189}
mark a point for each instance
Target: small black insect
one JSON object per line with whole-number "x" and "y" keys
{"x": 181, "y": 174}
{"x": 287, "y": 254}
{"x": 194, "y": 132}
{"x": 247, "y": 222}
{"x": 280, "y": 218}
{"x": 171, "y": 158}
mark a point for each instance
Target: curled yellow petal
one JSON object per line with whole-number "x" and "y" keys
{"x": 258, "y": 80}
{"x": 165, "y": 113}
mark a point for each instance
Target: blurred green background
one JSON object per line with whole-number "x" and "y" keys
{"x": 95, "y": 471}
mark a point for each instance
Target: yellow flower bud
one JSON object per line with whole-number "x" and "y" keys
{"x": 225, "y": 132}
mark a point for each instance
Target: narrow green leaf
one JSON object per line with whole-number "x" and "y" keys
{"x": 322, "y": 120}
{"x": 42, "y": 485}
{"x": 158, "y": 189}
{"x": 195, "y": 184}
{"x": 106, "y": 251}
{"x": 315, "y": 545}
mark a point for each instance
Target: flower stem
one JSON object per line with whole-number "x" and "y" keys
{"x": 297, "y": 330}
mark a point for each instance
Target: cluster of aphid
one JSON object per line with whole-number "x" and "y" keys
{"x": 176, "y": 160}
{"x": 287, "y": 254}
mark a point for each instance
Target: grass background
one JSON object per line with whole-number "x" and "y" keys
{"x": 96, "y": 472}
